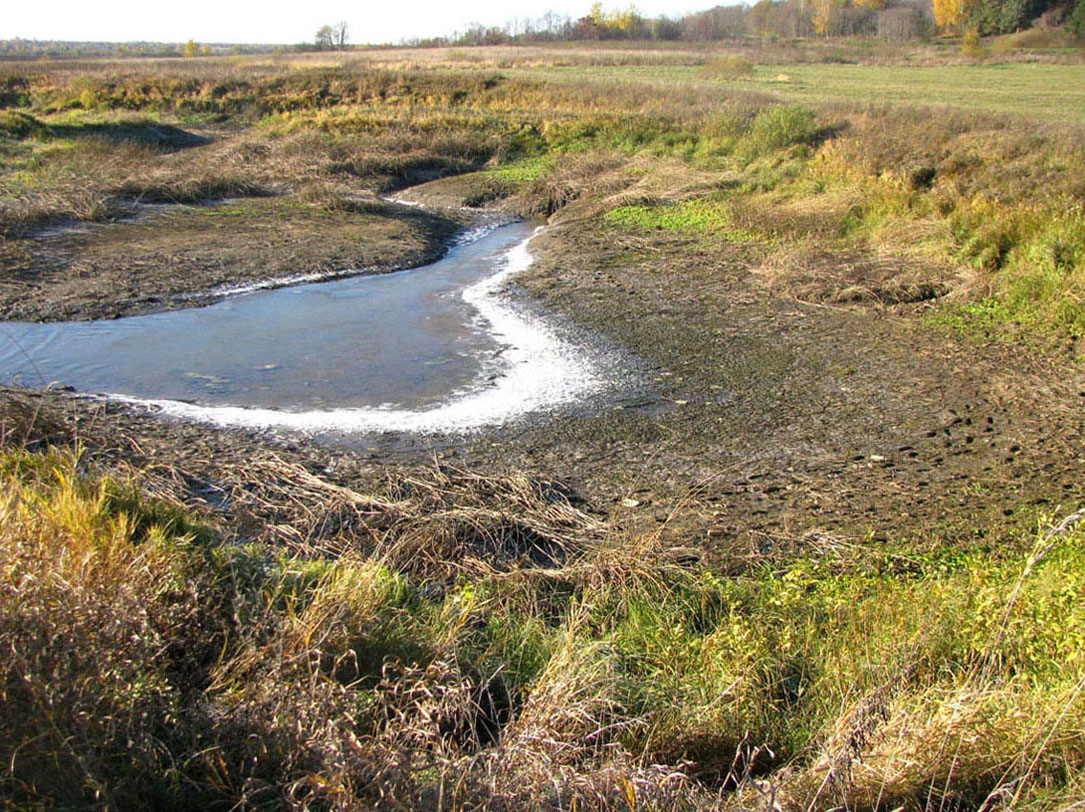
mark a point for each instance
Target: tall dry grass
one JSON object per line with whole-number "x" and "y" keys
{"x": 148, "y": 661}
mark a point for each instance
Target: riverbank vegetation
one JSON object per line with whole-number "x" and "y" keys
{"x": 481, "y": 643}
{"x": 282, "y": 637}
{"x": 990, "y": 206}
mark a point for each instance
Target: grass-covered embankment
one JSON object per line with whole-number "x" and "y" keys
{"x": 483, "y": 642}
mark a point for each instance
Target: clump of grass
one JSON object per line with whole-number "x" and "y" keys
{"x": 100, "y": 609}
{"x": 781, "y": 127}
{"x": 1037, "y": 38}
{"x": 190, "y": 190}
{"x": 971, "y": 45}
{"x": 728, "y": 68}
{"x": 1034, "y": 258}
{"x": 522, "y": 171}
{"x": 698, "y": 216}
{"x": 19, "y": 125}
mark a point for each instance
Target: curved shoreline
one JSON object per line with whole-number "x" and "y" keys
{"x": 485, "y": 223}
{"x": 538, "y": 370}
{"x": 192, "y": 256}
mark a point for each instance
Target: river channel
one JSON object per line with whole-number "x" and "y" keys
{"x": 437, "y": 348}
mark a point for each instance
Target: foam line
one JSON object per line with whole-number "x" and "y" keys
{"x": 537, "y": 370}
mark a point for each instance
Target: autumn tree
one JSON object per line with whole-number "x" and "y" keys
{"x": 901, "y": 24}
{"x": 760, "y": 17}
{"x": 950, "y": 15}
{"x": 618, "y": 23}
{"x": 825, "y": 13}
{"x": 191, "y": 49}
{"x": 325, "y": 38}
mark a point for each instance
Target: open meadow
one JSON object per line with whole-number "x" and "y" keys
{"x": 830, "y": 554}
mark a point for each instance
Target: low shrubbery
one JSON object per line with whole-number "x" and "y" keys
{"x": 728, "y": 68}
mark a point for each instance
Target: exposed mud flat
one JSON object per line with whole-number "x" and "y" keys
{"x": 166, "y": 257}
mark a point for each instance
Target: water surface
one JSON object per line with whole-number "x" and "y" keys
{"x": 434, "y": 347}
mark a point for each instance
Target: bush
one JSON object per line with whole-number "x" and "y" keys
{"x": 1076, "y": 22}
{"x": 780, "y": 127}
{"x": 970, "y": 44}
{"x": 20, "y": 125}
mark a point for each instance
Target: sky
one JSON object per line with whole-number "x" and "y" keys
{"x": 272, "y": 21}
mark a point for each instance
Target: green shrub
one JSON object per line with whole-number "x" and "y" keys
{"x": 970, "y": 44}
{"x": 20, "y": 125}
{"x": 779, "y": 127}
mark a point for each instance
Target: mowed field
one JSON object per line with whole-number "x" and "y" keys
{"x": 1045, "y": 92}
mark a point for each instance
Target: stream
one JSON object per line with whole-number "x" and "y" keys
{"x": 437, "y": 348}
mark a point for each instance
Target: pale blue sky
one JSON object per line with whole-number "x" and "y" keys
{"x": 275, "y": 22}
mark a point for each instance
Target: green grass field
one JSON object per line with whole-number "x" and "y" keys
{"x": 1045, "y": 92}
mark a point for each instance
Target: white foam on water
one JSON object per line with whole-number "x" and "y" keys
{"x": 230, "y": 291}
{"x": 537, "y": 370}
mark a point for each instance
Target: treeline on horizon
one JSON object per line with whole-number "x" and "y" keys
{"x": 17, "y": 47}
{"x": 891, "y": 20}
{"x": 894, "y": 20}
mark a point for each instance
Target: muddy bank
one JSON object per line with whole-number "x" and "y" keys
{"x": 774, "y": 420}
{"x": 165, "y": 257}
{"x": 767, "y": 426}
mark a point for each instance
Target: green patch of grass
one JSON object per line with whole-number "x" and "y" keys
{"x": 728, "y": 68}
{"x": 1035, "y": 91}
{"x": 701, "y": 216}
{"x": 18, "y": 125}
{"x": 628, "y": 134}
{"x": 1036, "y": 259}
{"x": 779, "y": 127}
{"x": 522, "y": 171}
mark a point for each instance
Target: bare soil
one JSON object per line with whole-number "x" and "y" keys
{"x": 765, "y": 424}
{"x": 777, "y": 420}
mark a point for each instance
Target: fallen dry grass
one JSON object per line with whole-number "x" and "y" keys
{"x": 265, "y": 635}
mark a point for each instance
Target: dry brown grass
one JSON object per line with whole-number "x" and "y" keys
{"x": 452, "y": 640}
{"x": 811, "y": 272}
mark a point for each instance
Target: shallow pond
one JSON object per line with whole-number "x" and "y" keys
{"x": 434, "y": 348}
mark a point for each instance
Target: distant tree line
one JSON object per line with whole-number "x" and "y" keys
{"x": 1006, "y": 16}
{"x": 17, "y": 48}
{"x": 894, "y": 20}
